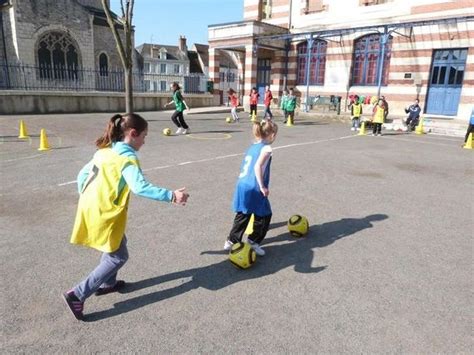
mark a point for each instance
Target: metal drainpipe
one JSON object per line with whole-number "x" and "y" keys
{"x": 285, "y": 78}
{"x": 7, "y": 77}
{"x": 383, "y": 42}
{"x": 308, "y": 63}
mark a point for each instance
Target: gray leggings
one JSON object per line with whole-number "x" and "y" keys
{"x": 105, "y": 274}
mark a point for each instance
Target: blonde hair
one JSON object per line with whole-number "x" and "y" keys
{"x": 264, "y": 130}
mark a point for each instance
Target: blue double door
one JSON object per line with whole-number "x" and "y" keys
{"x": 263, "y": 76}
{"x": 446, "y": 77}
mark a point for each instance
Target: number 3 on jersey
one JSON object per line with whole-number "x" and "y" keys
{"x": 245, "y": 168}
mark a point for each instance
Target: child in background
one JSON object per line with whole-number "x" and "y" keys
{"x": 356, "y": 112}
{"x": 254, "y": 95}
{"x": 251, "y": 193}
{"x": 234, "y": 102}
{"x": 104, "y": 186}
{"x": 291, "y": 106}
{"x": 283, "y": 100}
{"x": 378, "y": 117}
{"x": 177, "y": 117}
{"x": 267, "y": 101}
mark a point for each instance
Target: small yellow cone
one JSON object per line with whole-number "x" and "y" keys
{"x": 254, "y": 117}
{"x": 362, "y": 130}
{"x": 249, "y": 229}
{"x": 23, "y": 130}
{"x": 289, "y": 122}
{"x": 44, "y": 145}
{"x": 468, "y": 144}
{"x": 419, "y": 128}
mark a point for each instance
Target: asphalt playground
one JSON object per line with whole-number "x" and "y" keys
{"x": 385, "y": 268}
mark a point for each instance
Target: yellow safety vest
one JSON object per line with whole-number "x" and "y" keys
{"x": 356, "y": 110}
{"x": 102, "y": 210}
{"x": 379, "y": 114}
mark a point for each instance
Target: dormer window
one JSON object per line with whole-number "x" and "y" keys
{"x": 163, "y": 53}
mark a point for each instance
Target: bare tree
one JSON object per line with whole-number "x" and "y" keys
{"x": 125, "y": 50}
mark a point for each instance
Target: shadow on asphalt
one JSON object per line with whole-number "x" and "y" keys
{"x": 295, "y": 252}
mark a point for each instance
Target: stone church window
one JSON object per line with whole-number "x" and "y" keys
{"x": 58, "y": 57}
{"x": 103, "y": 65}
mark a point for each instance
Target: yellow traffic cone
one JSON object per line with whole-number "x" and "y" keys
{"x": 419, "y": 128}
{"x": 249, "y": 229}
{"x": 44, "y": 145}
{"x": 289, "y": 122}
{"x": 23, "y": 131}
{"x": 468, "y": 144}
{"x": 362, "y": 130}
{"x": 254, "y": 117}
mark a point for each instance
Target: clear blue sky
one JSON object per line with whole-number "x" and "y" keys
{"x": 163, "y": 21}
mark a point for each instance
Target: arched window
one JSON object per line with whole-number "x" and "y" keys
{"x": 57, "y": 57}
{"x": 317, "y": 66}
{"x": 103, "y": 65}
{"x": 367, "y": 54}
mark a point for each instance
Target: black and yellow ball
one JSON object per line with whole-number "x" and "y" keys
{"x": 167, "y": 132}
{"x": 298, "y": 225}
{"x": 242, "y": 255}
{"x": 229, "y": 120}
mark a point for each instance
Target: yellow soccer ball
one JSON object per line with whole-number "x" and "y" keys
{"x": 298, "y": 225}
{"x": 167, "y": 132}
{"x": 242, "y": 255}
{"x": 228, "y": 120}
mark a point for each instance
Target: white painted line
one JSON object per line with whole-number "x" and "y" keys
{"x": 229, "y": 156}
{"x": 67, "y": 183}
{"x": 23, "y": 158}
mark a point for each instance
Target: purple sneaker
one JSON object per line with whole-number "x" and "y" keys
{"x": 75, "y": 305}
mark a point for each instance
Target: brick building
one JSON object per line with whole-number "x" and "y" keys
{"x": 402, "y": 49}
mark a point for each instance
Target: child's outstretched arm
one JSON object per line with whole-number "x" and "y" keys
{"x": 259, "y": 165}
{"x": 140, "y": 186}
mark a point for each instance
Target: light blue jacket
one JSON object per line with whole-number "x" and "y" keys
{"x": 132, "y": 175}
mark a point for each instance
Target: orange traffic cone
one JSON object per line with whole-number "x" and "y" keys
{"x": 44, "y": 144}
{"x": 23, "y": 132}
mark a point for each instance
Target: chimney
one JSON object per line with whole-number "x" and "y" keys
{"x": 182, "y": 44}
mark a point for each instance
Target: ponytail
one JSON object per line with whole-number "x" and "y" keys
{"x": 117, "y": 126}
{"x": 113, "y": 132}
{"x": 264, "y": 129}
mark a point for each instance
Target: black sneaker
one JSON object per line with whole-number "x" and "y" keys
{"x": 105, "y": 290}
{"x": 75, "y": 305}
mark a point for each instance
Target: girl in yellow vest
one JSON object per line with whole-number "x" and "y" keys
{"x": 104, "y": 186}
{"x": 356, "y": 112}
{"x": 378, "y": 118}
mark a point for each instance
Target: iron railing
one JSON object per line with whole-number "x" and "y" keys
{"x": 70, "y": 78}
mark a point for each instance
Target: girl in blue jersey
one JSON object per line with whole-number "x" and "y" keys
{"x": 252, "y": 189}
{"x": 104, "y": 186}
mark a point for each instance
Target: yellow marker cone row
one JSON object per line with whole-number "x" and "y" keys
{"x": 362, "y": 130}
{"x": 254, "y": 117}
{"x": 44, "y": 144}
{"x": 289, "y": 122}
{"x": 468, "y": 144}
{"x": 23, "y": 131}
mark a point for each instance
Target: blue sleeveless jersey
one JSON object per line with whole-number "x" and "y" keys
{"x": 248, "y": 198}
